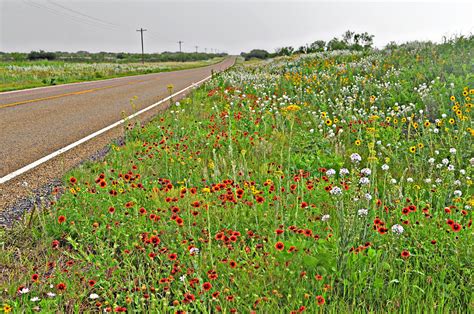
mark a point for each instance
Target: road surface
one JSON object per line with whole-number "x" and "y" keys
{"x": 36, "y": 122}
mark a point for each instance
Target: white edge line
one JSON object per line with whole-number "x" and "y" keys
{"x": 40, "y": 161}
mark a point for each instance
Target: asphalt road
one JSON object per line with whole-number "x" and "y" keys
{"x": 37, "y": 122}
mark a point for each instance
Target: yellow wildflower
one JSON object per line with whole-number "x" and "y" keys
{"x": 7, "y": 308}
{"x": 292, "y": 108}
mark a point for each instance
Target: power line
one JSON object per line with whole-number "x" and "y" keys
{"x": 85, "y": 15}
{"x": 63, "y": 14}
{"x": 86, "y": 19}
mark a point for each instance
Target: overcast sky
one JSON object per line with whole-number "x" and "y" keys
{"x": 226, "y": 25}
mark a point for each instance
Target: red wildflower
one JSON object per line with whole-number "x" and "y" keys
{"x": 456, "y": 227}
{"x": 91, "y": 283}
{"x": 189, "y": 297}
{"x": 405, "y": 254}
{"x": 259, "y": 199}
{"x": 279, "y": 246}
{"x": 35, "y": 277}
{"x": 320, "y": 299}
{"x": 61, "y": 286}
{"x": 61, "y": 219}
{"x": 55, "y": 244}
{"x": 207, "y": 286}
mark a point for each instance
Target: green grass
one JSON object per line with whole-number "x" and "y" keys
{"x": 29, "y": 74}
{"x": 260, "y": 171}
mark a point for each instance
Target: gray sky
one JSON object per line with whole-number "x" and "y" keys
{"x": 227, "y": 25}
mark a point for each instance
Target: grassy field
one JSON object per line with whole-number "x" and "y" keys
{"x": 332, "y": 182}
{"x": 28, "y": 74}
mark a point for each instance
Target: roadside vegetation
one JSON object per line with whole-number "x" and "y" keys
{"x": 27, "y": 74}
{"x": 349, "y": 41}
{"x": 335, "y": 181}
{"x": 98, "y": 57}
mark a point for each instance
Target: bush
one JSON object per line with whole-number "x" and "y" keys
{"x": 38, "y": 55}
{"x": 256, "y": 53}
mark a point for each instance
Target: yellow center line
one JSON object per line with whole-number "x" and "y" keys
{"x": 66, "y": 94}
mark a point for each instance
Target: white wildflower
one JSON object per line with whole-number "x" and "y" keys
{"x": 356, "y": 158}
{"x": 330, "y": 172}
{"x": 364, "y": 180}
{"x": 366, "y": 172}
{"x": 93, "y": 296}
{"x": 336, "y": 191}
{"x": 325, "y": 217}
{"x": 457, "y": 193}
{"x": 397, "y": 229}
{"x": 343, "y": 172}
{"x": 385, "y": 167}
{"x": 362, "y": 212}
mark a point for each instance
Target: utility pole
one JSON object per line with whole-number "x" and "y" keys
{"x": 196, "y": 48}
{"x": 141, "y": 30}
{"x": 180, "y": 42}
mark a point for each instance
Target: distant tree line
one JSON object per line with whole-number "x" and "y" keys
{"x": 348, "y": 41}
{"x": 122, "y": 57}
